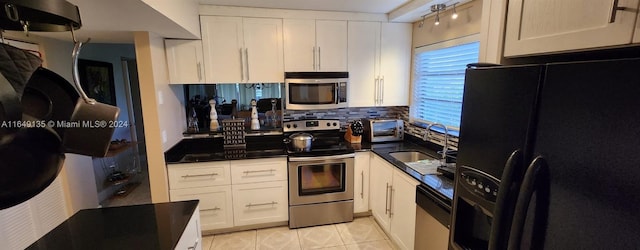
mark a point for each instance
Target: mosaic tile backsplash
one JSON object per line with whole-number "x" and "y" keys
{"x": 347, "y": 115}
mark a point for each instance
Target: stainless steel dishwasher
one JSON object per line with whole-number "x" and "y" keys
{"x": 433, "y": 217}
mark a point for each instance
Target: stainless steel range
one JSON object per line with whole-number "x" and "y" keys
{"x": 320, "y": 178}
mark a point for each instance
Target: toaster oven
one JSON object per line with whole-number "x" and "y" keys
{"x": 383, "y": 130}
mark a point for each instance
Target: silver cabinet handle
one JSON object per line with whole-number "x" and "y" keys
{"x": 391, "y": 201}
{"x": 199, "y": 175}
{"x": 386, "y": 200}
{"x": 362, "y": 185}
{"x": 375, "y": 91}
{"x": 211, "y": 209}
{"x": 258, "y": 171}
{"x": 319, "y": 59}
{"x": 261, "y": 204}
{"x": 241, "y": 66}
{"x": 199, "y": 66}
{"x": 314, "y": 58}
{"x": 382, "y": 90}
{"x": 246, "y": 55}
{"x": 614, "y": 10}
{"x": 195, "y": 245}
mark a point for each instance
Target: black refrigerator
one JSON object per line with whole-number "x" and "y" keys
{"x": 549, "y": 157}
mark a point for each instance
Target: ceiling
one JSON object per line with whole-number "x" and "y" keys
{"x": 367, "y": 6}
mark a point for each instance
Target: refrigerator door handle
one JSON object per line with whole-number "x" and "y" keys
{"x": 536, "y": 181}
{"x": 506, "y": 200}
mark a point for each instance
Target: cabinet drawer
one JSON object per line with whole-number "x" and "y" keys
{"x": 199, "y": 175}
{"x": 216, "y": 207}
{"x": 260, "y": 203}
{"x": 259, "y": 170}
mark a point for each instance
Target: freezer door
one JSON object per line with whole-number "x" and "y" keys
{"x": 496, "y": 109}
{"x": 589, "y": 133}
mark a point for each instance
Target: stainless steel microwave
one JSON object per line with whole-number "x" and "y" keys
{"x": 316, "y": 90}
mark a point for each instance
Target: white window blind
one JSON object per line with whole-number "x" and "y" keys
{"x": 438, "y": 82}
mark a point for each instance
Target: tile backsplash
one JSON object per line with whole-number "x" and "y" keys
{"x": 346, "y": 115}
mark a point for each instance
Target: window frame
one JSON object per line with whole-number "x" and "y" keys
{"x": 431, "y": 47}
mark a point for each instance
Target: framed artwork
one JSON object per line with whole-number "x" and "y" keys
{"x": 96, "y": 79}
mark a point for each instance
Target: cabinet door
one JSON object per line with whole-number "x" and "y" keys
{"x": 403, "y": 210}
{"x": 257, "y": 203}
{"x": 216, "y": 207}
{"x": 636, "y": 33}
{"x": 331, "y": 42}
{"x": 361, "y": 183}
{"x": 364, "y": 42}
{"x": 191, "y": 238}
{"x": 542, "y": 26}
{"x": 222, "y": 39}
{"x": 184, "y": 59}
{"x": 395, "y": 64}
{"x": 263, "y": 50}
{"x": 380, "y": 185}
{"x": 299, "y": 45}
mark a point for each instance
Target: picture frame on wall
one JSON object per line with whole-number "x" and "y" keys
{"x": 96, "y": 78}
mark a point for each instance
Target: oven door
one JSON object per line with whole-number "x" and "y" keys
{"x": 320, "y": 179}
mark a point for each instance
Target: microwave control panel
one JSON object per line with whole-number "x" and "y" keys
{"x": 342, "y": 92}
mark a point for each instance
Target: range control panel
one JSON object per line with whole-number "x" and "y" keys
{"x": 480, "y": 185}
{"x": 311, "y": 125}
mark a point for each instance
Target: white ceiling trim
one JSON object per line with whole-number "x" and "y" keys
{"x": 217, "y": 10}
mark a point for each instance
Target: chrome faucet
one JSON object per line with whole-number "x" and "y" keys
{"x": 446, "y": 139}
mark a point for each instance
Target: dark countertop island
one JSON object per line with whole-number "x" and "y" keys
{"x": 149, "y": 226}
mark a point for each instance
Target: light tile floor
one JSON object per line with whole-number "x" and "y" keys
{"x": 361, "y": 233}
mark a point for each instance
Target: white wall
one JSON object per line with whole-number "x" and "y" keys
{"x": 183, "y": 12}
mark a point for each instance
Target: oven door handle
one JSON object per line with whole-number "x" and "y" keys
{"x": 322, "y": 158}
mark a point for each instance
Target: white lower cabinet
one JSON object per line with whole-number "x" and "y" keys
{"x": 191, "y": 238}
{"x": 233, "y": 193}
{"x": 258, "y": 203}
{"x": 393, "y": 205}
{"x": 216, "y": 206}
{"x": 361, "y": 182}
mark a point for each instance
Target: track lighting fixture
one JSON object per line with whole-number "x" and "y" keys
{"x": 454, "y": 16}
{"x": 422, "y": 21}
{"x": 437, "y": 8}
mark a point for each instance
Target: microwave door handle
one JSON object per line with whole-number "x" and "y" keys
{"x": 337, "y": 93}
{"x": 506, "y": 200}
{"x": 536, "y": 180}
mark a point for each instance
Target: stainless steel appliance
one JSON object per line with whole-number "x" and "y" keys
{"x": 316, "y": 90}
{"x": 320, "y": 179}
{"x": 547, "y": 157}
{"x": 383, "y": 130}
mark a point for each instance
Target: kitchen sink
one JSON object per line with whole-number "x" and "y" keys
{"x": 410, "y": 156}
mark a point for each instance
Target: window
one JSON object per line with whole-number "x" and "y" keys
{"x": 438, "y": 82}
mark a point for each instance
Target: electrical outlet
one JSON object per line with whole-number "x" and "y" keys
{"x": 164, "y": 136}
{"x": 160, "y": 98}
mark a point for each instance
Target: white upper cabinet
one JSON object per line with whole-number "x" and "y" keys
{"x": 364, "y": 47}
{"x": 379, "y": 63}
{"x": 240, "y": 49}
{"x": 545, "y": 26}
{"x": 311, "y": 45}
{"x": 395, "y": 64}
{"x": 185, "y": 61}
{"x": 299, "y": 45}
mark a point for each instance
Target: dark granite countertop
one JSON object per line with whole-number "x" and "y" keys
{"x": 149, "y": 226}
{"x": 438, "y": 183}
{"x": 212, "y": 149}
